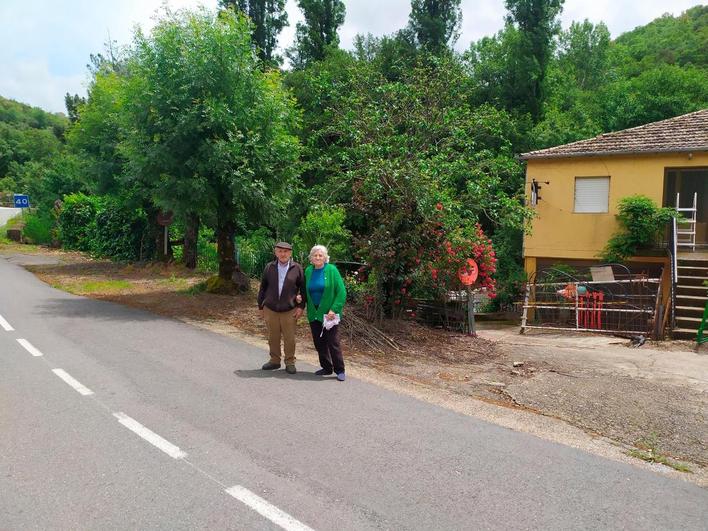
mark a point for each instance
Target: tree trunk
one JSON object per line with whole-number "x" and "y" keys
{"x": 225, "y": 246}
{"x": 191, "y": 234}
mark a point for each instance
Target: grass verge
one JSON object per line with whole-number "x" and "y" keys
{"x": 94, "y": 286}
{"x": 647, "y": 449}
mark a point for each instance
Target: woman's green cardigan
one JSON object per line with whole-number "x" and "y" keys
{"x": 333, "y": 297}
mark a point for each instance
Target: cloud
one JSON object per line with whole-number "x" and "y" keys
{"x": 33, "y": 83}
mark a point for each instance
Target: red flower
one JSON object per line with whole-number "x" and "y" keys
{"x": 439, "y": 206}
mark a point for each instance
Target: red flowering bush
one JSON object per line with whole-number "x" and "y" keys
{"x": 449, "y": 259}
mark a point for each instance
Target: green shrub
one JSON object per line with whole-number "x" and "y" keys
{"x": 207, "y": 255}
{"x": 105, "y": 227}
{"x": 324, "y": 226}
{"x": 254, "y": 251}
{"x": 121, "y": 233}
{"x": 77, "y": 221}
{"x": 38, "y": 228}
{"x": 641, "y": 222}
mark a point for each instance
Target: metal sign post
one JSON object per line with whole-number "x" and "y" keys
{"x": 468, "y": 276}
{"x": 470, "y": 313}
{"x": 165, "y": 219}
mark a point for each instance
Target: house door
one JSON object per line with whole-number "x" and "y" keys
{"x": 687, "y": 182}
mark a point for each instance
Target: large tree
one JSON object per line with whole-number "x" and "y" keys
{"x": 537, "y": 24}
{"x": 435, "y": 23}
{"x": 402, "y": 157}
{"x": 318, "y": 32}
{"x": 268, "y": 18}
{"x": 209, "y": 130}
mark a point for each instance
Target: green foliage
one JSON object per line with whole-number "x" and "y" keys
{"x": 318, "y": 33}
{"x": 218, "y": 138}
{"x": 23, "y": 116}
{"x": 121, "y": 232}
{"x": 537, "y": 24}
{"x": 395, "y": 150}
{"x": 30, "y": 141}
{"x": 97, "y": 133}
{"x": 510, "y": 275}
{"x": 324, "y": 226}
{"x": 104, "y": 227}
{"x": 38, "y": 228}
{"x": 641, "y": 221}
{"x": 681, "y": 40}
{"x": 435, "y": 23}
{"x": 255, "y": 250}
{"x": 662, "y": 92}
{"x": 77, "y": 221}
{"x": 72, "y": 106}
{"x": 268, "y": 18}
{"x": 583, "y": 53}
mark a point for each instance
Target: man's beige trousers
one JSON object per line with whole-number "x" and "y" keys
{"x": 281, "y": 324}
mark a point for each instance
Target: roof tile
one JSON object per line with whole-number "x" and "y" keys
{"x": 688, "y": 132}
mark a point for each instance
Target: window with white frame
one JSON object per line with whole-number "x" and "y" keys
{"x": 592, "y": 194}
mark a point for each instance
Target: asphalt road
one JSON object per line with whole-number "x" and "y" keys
{"x": 8, "y": 213}
{"x": 113, "y": 418}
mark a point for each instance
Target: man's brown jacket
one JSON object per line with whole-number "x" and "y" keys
{"x": 294, "y": 284}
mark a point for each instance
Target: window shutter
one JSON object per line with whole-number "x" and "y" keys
{"x": 592, "y": 194}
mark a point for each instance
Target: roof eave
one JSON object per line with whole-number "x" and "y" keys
{"x": 531, "y": 155}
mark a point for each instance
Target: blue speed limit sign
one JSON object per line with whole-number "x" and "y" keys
{"x": 22, "y": 201}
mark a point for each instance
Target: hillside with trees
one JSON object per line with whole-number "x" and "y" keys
{"x": 31, "y": 144}
{"x": 400, "y": 153}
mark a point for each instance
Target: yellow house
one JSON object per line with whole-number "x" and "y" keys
{"x": 575, "y": 189}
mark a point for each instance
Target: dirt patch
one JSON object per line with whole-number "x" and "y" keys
{"x": 595, "y": 384}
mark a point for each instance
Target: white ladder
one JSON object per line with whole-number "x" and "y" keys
{"x": 686, "y": 233}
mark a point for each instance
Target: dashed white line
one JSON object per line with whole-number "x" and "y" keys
{"x": 72, "y": 382}
{"x": 150, "y": 436}
{"x": 29, "y": 347}
{"x": 5, "y": 324}
{"x": 267, "y": 510}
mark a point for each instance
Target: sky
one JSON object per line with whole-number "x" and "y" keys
{"x": 45, "y": 44}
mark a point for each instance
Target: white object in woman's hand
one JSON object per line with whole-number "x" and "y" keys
{"x": 331, "y": 315}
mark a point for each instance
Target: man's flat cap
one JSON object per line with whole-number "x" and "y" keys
{"x": 284, "y": 245}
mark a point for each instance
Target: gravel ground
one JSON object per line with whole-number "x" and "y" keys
{"x": 630, "y": 410}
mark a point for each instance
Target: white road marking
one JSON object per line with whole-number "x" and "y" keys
{"x": 81, "y": 389}
{"x": 5, "y": 325}
{"x": 29, "y": 348}
{"x": 267, "y": 510}
{"x": 150, "y": 436}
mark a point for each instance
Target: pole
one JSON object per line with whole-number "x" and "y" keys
{"x": 470, "y": 313}
{"x": 166, "y": 236}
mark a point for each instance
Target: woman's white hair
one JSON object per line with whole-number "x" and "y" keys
{"x": 322, "y": 249}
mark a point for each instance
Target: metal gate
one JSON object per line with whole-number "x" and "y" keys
{"x": 600, "y": 299}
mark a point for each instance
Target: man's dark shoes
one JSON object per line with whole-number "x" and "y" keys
{"x": 323, "y": 372}
{"x": 270, "y": 366}
{"x": 290, "y": 369}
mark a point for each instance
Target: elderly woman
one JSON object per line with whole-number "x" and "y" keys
{"x": 326, "y": 296}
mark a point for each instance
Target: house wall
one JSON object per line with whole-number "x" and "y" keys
{"x": 558, "y": 232}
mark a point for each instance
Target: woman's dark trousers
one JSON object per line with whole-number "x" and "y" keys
{"x": 328, "y": 347}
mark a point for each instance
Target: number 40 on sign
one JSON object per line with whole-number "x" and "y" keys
{"x": 21, "y": 201}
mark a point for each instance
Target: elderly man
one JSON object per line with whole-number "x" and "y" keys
{"x": 280, "y": 306}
